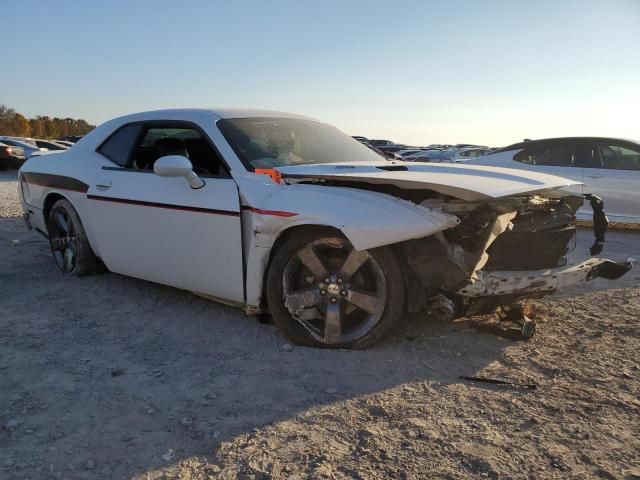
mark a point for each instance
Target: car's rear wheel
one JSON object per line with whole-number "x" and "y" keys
{"x": 68, "y": 240}
{"x": 324, "y": 293}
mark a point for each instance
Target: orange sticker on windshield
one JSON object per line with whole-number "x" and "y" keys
{"x": 275, "y": 175}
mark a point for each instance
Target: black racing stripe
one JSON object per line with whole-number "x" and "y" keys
{"x": 168, "y": 206}
{"x": 54, "y": 181}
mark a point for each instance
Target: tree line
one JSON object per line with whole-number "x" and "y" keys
{"x": 15, "y": 124}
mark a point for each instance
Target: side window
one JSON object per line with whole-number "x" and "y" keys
{"x": 555, "y": 155}
{"x": 159, "y": 141}
{"x": 617, "y": 157}
{"x": 118, "y": 146}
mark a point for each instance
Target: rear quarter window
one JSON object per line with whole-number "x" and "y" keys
{"x": 118, "y": 146}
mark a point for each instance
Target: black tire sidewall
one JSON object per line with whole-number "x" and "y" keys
{"x": 297, "y": 333}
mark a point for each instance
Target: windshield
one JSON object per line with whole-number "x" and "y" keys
{"x": 280, "y": 142}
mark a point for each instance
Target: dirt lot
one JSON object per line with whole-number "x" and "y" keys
{"x": 110, "y": 377}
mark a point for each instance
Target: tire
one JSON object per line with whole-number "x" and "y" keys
{"x": 360, "y": 299}
{"x": 70, "y": 247}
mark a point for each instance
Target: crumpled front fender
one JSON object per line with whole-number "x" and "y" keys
{"x": 368, "y": 219}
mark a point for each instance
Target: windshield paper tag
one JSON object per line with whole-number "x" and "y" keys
{"x": 264, "y": 124}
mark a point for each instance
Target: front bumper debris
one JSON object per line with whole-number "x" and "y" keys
{"x": 530, "y": 282}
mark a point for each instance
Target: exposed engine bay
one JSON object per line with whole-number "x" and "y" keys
{"x": 502, "y": 251}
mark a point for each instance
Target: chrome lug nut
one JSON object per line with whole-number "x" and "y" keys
{"x": 339, "y": 280}
{"x": 327, "y": 280}
{"x": 323, "y": 292}
{"x": 334, "y": 299}
{"x": 343, "y": 293}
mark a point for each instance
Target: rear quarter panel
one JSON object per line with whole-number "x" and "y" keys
{"x": 68, "y": 175}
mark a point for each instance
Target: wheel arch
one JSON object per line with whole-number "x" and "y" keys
{"x": 49, "y": 200}
{"x": 47, "y": 204}
{"x": 297, "y": 229}
{"x": 83, "y": 256}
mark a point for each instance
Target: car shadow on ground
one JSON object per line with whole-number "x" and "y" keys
{"x": 121, "y": 372}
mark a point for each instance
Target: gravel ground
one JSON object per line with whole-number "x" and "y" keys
{"x": 111, "y": 377}
{"x": 10, "y": 209}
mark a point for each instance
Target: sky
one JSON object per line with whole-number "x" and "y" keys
{"x": 418, "y": 72}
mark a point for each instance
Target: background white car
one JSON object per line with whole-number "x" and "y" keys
{"x": 281, "y": 213}
{"x": 608, "y": 167}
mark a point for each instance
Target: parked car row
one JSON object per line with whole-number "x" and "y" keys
{"x": 14, "y": 151}
{"x": 431, "y": 153}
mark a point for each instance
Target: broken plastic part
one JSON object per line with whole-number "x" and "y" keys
{"x": 600, "y": 223}
{"x": 611, "y": 270}
{"x": 542, "y": 281}
{"x": 441, "y": 308}
{"x": 515, "y": 314}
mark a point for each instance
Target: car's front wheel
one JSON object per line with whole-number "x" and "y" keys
{"x": 324, "y": 293}
{"x": 68, "y": 240}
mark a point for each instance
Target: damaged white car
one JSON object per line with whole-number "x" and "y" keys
{"x": 280, "y": 213}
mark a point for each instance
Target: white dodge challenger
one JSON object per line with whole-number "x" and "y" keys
{"x": 282, "y": 214}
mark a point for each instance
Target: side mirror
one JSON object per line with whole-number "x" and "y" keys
{"x": 177, "y": 166}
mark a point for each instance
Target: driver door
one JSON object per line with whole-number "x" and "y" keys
{"x": 159, "y": 228}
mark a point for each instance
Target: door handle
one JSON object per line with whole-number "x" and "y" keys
{"x": 103, "y": 185}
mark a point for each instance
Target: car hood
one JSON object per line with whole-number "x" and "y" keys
{"x": 467, "y": 182}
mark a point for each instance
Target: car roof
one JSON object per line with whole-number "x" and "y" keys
{"x": 220, "y": 113}
{"x": 98, "y": 134}
{"x": 529, "y": 143}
